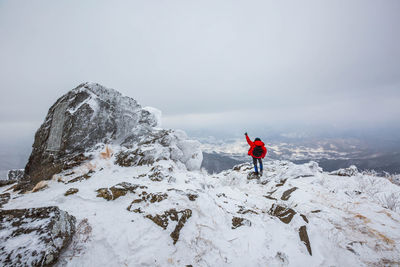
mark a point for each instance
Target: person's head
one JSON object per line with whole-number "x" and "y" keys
{"x": 257, "y": 139}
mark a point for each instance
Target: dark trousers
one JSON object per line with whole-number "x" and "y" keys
{"x": 255, "y": 164}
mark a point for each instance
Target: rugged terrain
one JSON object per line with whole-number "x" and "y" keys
{"x": 142, "y": 200}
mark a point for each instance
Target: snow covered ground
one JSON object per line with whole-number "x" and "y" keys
{"x": 164, "y": 215}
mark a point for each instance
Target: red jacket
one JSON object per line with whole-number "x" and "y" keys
{"x": 253, "y": 145}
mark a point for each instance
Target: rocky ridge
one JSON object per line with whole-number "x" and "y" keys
{"x": 141, "y": 200}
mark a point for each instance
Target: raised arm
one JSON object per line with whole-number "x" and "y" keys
{"x": 248, "y": 140}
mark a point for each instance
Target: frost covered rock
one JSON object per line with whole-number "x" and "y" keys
{"x": 91, "y": 115}
{"x": 34, "y": 237}
{"x": 350, "y": 171}
{"x": 16, "y": 175}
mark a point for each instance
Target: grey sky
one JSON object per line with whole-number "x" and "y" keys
{"x": 206, "y": 64}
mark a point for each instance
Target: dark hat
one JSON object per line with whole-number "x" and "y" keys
{"x": 257, "y": 139}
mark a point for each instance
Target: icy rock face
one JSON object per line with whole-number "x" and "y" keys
{"x": 34, "y": 237}
{"x": 161, "y": 145}
{"x": 92, "y": 114}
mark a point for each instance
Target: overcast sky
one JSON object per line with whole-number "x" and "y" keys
{"x": 206, "y": 64}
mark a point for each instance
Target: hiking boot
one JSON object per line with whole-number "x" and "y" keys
{"x": 261, "y": 172}
{"x": 256, "y": 173}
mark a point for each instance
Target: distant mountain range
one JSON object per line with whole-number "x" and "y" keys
{"x": 331, "y": 154}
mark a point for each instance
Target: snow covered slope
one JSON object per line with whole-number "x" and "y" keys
{"x": 164, "y": 215}
{"x": 139, "y": 198}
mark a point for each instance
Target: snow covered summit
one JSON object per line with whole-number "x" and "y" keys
{"x": 92, "y": 115}
{"x": 136, "y": 197}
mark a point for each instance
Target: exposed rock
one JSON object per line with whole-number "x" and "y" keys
{"x": 152, "y": 197}
{"x": 6, "y": 182}
{"x": 237, "y": 222}
{"x": 350, "y": 171}
{"x": 4, "y": 198}
{"x": 269, "y": 197}
{"x": 243, "y": 210}
{"x": 104, "y": 193}
{"x": 242, "y": 167}
{"x": 304, "y": 237}
{"x": 34, "y": 237}
{"x": 287, "y": 193}
{"x": 186, "y": 214}
{"x": 81, "y": 177}
{"x": 71, "y": 191}
{"x": 92, "y": 114}
{"x": 137, "y": 157}
{"x": 304, "y": 217}
{"x": 158, "y": 174}
{"x": 118, "y": 190}
{"x": 189, "y": 193}
{"x": 85, "y": 116}
{"x": 315, "y": 211}
{"x": 282, "y": 213}
{"x": 281, "y": 182}
{"x": 192, "y": 197}
{"x": 252, "y": 175}
{"x": 83, "y": 235}
{"x": 145, "y": 197}
{"x": 163, "y": 220}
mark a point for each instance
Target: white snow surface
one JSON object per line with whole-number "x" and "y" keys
{"x": 352, "y": 221}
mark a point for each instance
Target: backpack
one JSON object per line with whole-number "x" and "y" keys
{"x": 257, "y": 151}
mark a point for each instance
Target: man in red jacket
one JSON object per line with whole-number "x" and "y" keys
{"x": 257, "y": 151}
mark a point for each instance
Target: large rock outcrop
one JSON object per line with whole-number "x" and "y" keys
{"x": 92, "y": 114}
{"x": 34, "y": 237}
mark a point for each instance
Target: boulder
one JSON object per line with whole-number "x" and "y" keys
{"x": 91, "y": 115}
{"x": 85, "y": 116}
{"x": 34, "y": 237}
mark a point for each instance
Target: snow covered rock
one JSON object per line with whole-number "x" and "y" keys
{"x": 15, "y": 175}
{"x": 164, "y": 215}
{"x": 34, "y": 237}
{"x": 350, "y": 171}
{"x": 4, "y": 198}
{"x": 92, "y": 115}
